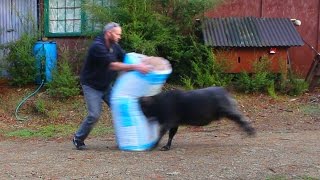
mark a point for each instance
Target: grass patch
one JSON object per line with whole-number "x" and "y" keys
{"x": 43, "y": 132}
{"x": 313, "y": 110}
{"x": 102, "y": 129}
{"x": 276, "y": 177}
{"x": 52, "y": 131}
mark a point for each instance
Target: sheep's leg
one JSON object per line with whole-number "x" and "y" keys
{"x": 172, "y": 132}
{"x": 241, "y": 120}
{"x": 163, "y": 131}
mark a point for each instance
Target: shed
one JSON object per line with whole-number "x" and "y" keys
{"x": 240, "y": 41}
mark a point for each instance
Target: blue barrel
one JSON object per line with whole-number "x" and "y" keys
{"x": 46, "y": 60}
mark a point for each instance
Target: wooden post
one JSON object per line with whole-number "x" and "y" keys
{"x": 313, "y": 75}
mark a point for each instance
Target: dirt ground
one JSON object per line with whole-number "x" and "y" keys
{"x": 286, "y": 147}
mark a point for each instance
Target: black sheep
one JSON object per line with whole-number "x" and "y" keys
{"x": 196, "y": 108}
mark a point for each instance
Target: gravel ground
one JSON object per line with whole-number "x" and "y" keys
{"x": 286, "y": 147}
{"x": 204, "y": 154}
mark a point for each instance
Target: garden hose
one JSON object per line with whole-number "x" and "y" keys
{"x": 42, "y": 75}
{"x": 24, "y": 100}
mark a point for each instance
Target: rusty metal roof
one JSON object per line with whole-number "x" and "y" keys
{"x": 250, "y": 32}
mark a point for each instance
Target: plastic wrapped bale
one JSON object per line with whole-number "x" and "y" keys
{"x": 133, "y": 131}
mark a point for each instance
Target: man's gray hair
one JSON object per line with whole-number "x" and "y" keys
{"x": 110, "y": 26}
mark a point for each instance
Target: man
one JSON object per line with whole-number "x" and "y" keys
{"x": 100, "y": 69}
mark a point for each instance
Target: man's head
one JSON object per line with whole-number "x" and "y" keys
{"x": 112, "y": 32}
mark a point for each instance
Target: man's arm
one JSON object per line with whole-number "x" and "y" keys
{"x": 119, "y": 66}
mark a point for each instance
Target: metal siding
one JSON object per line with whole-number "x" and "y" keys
{"x": 13, "y": 15}
{"x": 4, "y": 20}
{"x": 251, "y": 32}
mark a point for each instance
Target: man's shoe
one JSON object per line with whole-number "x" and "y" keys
{"x": 78, "y": 144}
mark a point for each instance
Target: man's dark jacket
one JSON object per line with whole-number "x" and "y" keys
{"x": 96, "y": 72}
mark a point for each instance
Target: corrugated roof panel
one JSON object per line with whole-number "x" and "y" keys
{"x": 218, "y": 35}
{"x": 243, "y": 33}
{"x": 223, "y": 34}
{"x": 206, "y": 34}
{"x": 288, "y": 28}
{"x": 250, "y": 32}
{"x": 263, "y": 40}
{"x": 269, "y": 28}
{"x": 256, "y": 37}
{"x": 236, "y": 32}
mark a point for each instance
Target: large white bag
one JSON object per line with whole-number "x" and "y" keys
{"x": 133, "y": 131}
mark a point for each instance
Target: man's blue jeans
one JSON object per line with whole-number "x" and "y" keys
{"x": 94, "y": 99}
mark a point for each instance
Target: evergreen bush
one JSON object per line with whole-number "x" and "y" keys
{"x": 21, "y": 60}
{"x": 64, "y": 83}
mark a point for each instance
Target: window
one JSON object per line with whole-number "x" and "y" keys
{"x": 67, "y": 17}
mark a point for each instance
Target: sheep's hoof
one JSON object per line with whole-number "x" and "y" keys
{"x": 165, "y": 148}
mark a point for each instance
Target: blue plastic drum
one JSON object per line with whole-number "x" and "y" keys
{"x": 46, "y": 60}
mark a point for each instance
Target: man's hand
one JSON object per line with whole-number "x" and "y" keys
{"x": 143, "y": 68}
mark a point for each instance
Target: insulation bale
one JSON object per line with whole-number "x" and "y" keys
{"x": 133, "y": 131}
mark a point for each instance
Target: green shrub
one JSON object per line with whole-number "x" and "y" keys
{"x": 248, "y": 83}
{"x": 295, "y": 86}
{"x": 243, "y": 82}
{"x": 64, "y": 83}
{"x": 201, "y": 69}
{"x": 21, "y": 61}
{"x": 263, "y": 80}
{"x": 259, "y": 81}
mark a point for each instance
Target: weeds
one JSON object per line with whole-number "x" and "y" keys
{"x": 40, "y": 106}
{"x": 53, "y": 114}
{"x": 271, "y": 90}
{"x": 296, "y": 86}
{"x": 313, "y": 110}
{"x": 187, "y": 82}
